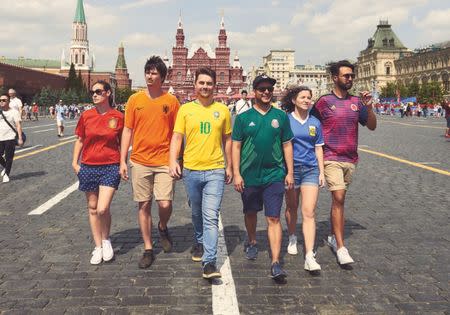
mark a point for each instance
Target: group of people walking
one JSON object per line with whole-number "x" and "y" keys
{"x": 269, "y": 154}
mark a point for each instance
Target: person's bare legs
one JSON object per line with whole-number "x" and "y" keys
{"x": 274, "y": 233}
{"x": 309, "y": 202}
{"x": 145, "y": 223}
{"x": 250, "y": 225}
{"x": 292, "y": 200}
{"x": 337, "y": 216}
{"x": 94, "y": 220}
{"x": 105, "y": 196}
{"x": 165, "y": 211}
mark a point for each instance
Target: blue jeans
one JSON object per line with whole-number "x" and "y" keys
{"x": 205, "y": 191}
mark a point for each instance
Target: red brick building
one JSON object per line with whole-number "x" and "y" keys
{"x": 181, "y": 71}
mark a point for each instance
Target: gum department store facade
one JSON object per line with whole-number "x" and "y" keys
{"x": 386, "y": 59}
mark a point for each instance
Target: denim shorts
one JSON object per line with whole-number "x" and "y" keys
{"x": 306, "y": 175}
{"x": 270, "y": 196}
{"x": 93, "y": 176}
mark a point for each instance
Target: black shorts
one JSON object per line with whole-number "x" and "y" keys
{"x": 270, "y": 196}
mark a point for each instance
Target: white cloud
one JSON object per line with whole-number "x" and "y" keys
{"x": 141, "y": 3}
{"x": 142, "y": 40}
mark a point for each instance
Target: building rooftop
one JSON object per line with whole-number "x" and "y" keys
{"x": 79, "y": 13}
{"x": 384, "y": 38}
{"x": 32, "y": 63}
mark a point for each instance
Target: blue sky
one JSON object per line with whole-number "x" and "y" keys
{"x": 319, "y": 31}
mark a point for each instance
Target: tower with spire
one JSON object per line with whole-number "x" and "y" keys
{"x": 79, "y": 48}
{"x": 179, "y": 53}
{"x": 121, "y": 72}
{"x": 222, "y": 56}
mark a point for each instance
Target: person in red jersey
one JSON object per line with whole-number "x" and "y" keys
{"x": 98, "y": 144}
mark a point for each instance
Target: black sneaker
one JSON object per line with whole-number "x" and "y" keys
{"x": 197, "y": 252}
{"x": 210, "y": 271}
{"x": 165, "y": 239}
{"x": 147, "y": 259}
{"x": 276, "y": 272}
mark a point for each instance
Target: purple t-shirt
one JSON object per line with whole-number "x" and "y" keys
{"x": 339, "y": 118}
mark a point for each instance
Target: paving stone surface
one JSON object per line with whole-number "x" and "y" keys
{"x": 396, "y": 230}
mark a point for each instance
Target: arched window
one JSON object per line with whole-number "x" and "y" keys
{"x": 222, "y": 76}
{"x": 391, "y": 42}
{"x": 179, "y": 76}
{"x": 82, "y": 59}
{"x": 385, "y": 42}
{"x": 76, "y": 58}
{"x": 388, "y": 68}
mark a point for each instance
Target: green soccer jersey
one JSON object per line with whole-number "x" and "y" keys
{"x": 262, "y": 138}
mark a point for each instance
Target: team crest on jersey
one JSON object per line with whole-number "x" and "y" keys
{"x": 165, "y": 108}
{"x": 275, "y": 124}
{"x": 312, "y": 131}
{"x": 112, "y": 123}
{"x": 216, "y": 115}
{"x": 354, "y": 107}
{"x": 332, "y": 107}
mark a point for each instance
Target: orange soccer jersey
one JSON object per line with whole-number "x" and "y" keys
{"x": 152, "y": 121}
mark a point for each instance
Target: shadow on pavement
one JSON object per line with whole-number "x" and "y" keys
{"x": 28, "y": 175}
{"x": 131, "y": 238}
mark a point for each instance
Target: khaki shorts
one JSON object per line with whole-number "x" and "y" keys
{"x": 149, "y": 181}
{"x": 338, "y": 175}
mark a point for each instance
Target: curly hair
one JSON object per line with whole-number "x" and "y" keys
{"x": 291, "y": 93}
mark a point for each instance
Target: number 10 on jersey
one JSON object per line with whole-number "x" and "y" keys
{"x": 205, "y": 127}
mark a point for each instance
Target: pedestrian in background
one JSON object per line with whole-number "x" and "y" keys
{"x": 10, "y": 127}
{"x": 308, "y": 171}
{"x": 60, "y": 118}
{"x": 98, "y": 148}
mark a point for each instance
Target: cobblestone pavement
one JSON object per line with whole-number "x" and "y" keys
{"x": 396, "y": 230}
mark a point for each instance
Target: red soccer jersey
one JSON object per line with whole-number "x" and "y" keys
{"x": 100, "y": 134}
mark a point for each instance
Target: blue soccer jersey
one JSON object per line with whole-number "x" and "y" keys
{"x": 307, "y": 135}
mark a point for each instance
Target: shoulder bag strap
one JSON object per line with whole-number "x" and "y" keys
{"x": 9, "y": 124}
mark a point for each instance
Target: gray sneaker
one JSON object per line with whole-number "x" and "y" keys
{"x": 251, "y": 251}
{"x": 331, "y": 241}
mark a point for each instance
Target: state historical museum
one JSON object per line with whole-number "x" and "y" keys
{"x": 181, "y": 71}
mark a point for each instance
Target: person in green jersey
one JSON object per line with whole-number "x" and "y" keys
{"x": 262, "y": 158}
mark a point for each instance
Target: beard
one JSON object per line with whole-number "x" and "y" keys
{"x": 344, "y": 86}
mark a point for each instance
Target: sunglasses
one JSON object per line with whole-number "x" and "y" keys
{"x": 98, "y": 92}
{"x": 349, "y": 75}
{"x": 262, "y": 89}
{"x": 3, "y": 100}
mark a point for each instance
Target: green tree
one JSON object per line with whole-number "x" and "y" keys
{"x": 413, "y": 89}
{"x": 72, "y": 80}
{"x": 122, "y": 95}
{"x": 431, "y": 93}
{"x": 389, "y": 90}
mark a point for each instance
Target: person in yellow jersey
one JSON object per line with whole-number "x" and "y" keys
{"x": 206, "y": 124}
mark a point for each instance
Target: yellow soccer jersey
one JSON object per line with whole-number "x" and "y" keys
{"x": 203, "y": 127}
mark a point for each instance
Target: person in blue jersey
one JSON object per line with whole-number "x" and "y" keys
{"x": 308, "y": 170}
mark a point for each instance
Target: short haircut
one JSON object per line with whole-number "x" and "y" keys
{"x": 155, "y": 62}
{"x": 291, "y": 93}
{"x": 334, "y": 67}
{"x": 244, "y": 91}
{"x": 12, "y": 91}
{"x": 107, "y": 87}
{"x": 206, "y": 71}
{"x": 5, "y": 94}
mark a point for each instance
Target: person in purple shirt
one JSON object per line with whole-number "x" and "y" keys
{"x": 340, "y": 113}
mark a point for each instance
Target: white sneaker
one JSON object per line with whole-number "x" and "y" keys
{"x": 331, "y": 241}
{"x": 108, "y": 252}
{"x": 96, "y": 256}
{"x": 292, "y": 246}
{"x": 5, "y": 178}
{"x": 3, "y": 172}
{"x": 311, "y": 263}
{"x": 343, "y": 256}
